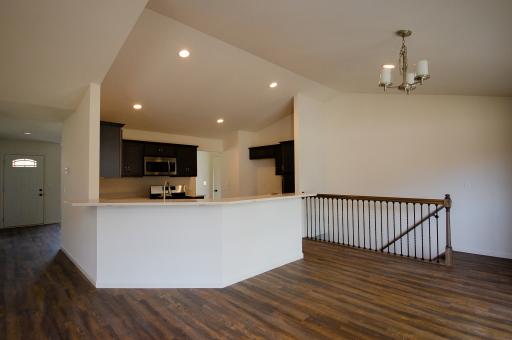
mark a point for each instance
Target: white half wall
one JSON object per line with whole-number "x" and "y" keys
{"x": 416, "y": 146}
{"x": 80, "y": 181}
{"x": 51, "y": 153}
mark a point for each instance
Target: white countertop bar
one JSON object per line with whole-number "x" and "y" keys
{"x": 142, "y": 201}
{"x": 144, "y": 243}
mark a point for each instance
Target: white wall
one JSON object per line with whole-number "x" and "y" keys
{"x": 417, "y": 146}
{"x": 245, "y": 177}
{"x": 51, "y": 153}
{"x": 80, "y": 181}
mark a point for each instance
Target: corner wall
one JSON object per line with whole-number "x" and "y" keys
{"x": 417, "y": 146}
{"x": 80, "y": 181}
{"x": 245, "y": 177}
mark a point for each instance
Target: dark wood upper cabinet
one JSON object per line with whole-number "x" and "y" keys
{"x": 133, "y": 158}
{"x": 186, "y": 160}
{"x": 160, "y": 149}
{"x": 135, "y": 151}
{"x": 110, "y": 149}
{"x": 262, "y": 152}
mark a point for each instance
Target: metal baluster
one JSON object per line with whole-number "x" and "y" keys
{"x": 401, "y": 239}
{"x": 328, "y": 233}
{"x": 332, "y": 209}
{"x": 317, "y": 217}
{"x": 323, "y": 219}
{"x": 313, "y": 218}
{"x": 437, "y": 234}
{"x": 353, "y": 226}
{"x": 369, "y": 224}
{"x": 375, "y": 223}
{"x": 394, "y": 228}
{"x": 358, "y": 226}
{"x": 381, "y": 233}
{"x": 306, "y": 200}
{"x": 407, "y": 227}
{"x": 342, "y": 231}
{"x": 429, "y": 237}
{"x": 338, "y": 218}
{"x": 422, "y": 241}
{"x": 364, "y": 228}
{"x": 414, "y": 216}
{"x": 387, "y": 222}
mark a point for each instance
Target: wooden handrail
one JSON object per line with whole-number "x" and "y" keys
{"x": 386, "y": 199}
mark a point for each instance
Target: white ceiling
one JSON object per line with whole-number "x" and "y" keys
{"x": 342, "y": 43}
{"x": 50, "y": 51}
{"x": 186, "y": 96}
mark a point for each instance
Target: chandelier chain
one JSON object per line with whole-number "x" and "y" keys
{"x": 402, "y": 59}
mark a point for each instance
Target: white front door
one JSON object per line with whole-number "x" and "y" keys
{"x": 23, "y": 190}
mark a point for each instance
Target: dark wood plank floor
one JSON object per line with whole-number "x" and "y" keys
{"x": 333, "y": 293}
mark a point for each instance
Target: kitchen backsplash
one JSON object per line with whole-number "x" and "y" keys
{"x": 139, "y": 186}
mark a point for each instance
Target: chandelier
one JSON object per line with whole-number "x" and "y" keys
{"x": 410, "y": 80}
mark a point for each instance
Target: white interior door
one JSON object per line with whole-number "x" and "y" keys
{"x": 23, "y": 190}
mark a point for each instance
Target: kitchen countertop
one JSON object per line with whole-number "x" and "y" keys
{"x": 142, "y": 201}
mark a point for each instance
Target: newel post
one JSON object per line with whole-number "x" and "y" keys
{"x": 448, "y": 254}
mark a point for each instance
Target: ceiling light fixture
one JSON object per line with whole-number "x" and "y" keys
{"x": 273, "y": 84}
{"x": 137, "y": 106}
{"x": 184, "y": 53}
{"x": 27, "y": 133}
{"x": 220, "y": 121}
{"x": 390, "y": 66}
{"x": 409, "y": 79}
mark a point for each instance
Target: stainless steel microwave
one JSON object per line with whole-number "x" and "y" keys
{"x": 159, "y": 166}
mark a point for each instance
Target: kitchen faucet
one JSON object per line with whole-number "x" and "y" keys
{"x": 165, "y": 189}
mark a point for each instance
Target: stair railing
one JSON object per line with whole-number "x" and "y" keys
{"x": 400, "y": 226}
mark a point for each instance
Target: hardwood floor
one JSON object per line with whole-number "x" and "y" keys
{"x": 334, "y": 292}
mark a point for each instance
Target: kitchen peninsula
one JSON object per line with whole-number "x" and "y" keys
{"x": 143, "y": 243}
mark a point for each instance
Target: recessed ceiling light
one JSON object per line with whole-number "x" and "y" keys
{"x": 184, "y": 53}
{"x": 137, "y": 106}
{"x": 390, "y": 66}
{"x": 27, "y": 133}
{"x": 273, "y": 84}
{"x": 220, "y": 121}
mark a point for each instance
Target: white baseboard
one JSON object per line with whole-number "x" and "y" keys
{"x": 506, "y": 255}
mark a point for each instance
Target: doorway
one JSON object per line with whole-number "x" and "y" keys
{"x": 208, "y": 174}
{"x": 23, "y": 190}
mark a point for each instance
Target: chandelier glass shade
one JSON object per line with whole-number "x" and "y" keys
{"x": 410, "y": 80}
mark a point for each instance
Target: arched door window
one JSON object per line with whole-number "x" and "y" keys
{"x": 24, "y": 163}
